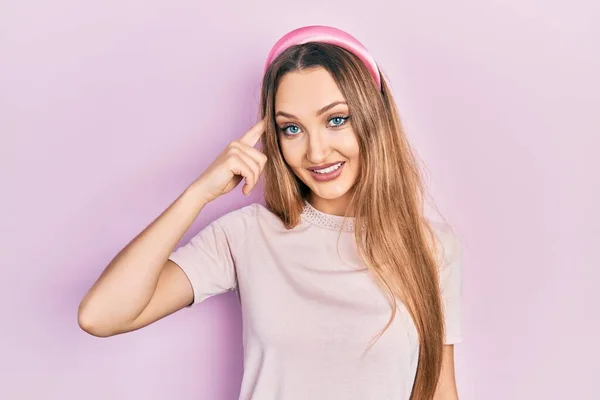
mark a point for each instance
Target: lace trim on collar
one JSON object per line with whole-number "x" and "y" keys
{"x": 336, "y": 222}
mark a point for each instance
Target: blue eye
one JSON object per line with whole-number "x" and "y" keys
{"x": 290, "y": 130}
{"x": 338, "y": 121}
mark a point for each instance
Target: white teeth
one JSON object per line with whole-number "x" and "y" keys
{"x": 328, "y": 169}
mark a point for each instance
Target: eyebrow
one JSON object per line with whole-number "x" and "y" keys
{"x": 321, "y": 111}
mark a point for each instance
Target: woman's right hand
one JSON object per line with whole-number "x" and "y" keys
{"x": 239, "y": 160}
{"x": 141, "y": 285}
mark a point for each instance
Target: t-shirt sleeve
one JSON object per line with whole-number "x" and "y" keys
{"x": 451, "y": 286}
{"x": 208, "y": 259}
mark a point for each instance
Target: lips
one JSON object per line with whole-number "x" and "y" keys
{"x": 319, "y": 167}
{"x": 329, "y": 175}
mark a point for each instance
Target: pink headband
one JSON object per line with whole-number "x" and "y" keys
{"x": 325, "y": 34}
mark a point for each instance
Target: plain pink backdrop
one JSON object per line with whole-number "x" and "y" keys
{"x": 109, "y": 109}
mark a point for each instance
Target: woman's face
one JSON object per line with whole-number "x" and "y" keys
{"x": 316, "y": 136}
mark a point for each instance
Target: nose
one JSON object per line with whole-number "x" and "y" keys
{"x": 318, "y": 147}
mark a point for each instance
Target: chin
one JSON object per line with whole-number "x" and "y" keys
{"x": 329, "y": 190}
{"x": 330, "y": 194}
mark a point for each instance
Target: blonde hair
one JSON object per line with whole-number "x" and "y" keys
{"x": 394, "y": 238}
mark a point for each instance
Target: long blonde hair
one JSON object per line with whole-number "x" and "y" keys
{"x": 393, "y": 236}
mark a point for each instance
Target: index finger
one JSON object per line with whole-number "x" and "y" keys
{"x": 251, "y": 137}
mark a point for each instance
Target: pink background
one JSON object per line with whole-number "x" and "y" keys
{"x": 109, "y": 109}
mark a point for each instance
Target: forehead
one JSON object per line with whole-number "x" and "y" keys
{"x": 304, "y": 92}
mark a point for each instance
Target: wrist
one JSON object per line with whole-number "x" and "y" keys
{"x": 197, "y": 193}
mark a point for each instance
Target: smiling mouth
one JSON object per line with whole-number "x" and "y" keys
{"x": 328, "y": 169}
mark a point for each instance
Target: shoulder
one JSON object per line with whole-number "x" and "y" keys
{"x": 448, "y": 246}
{"x": 247, "y": 217}
{"x": 238, "y": 217}
{"x": 243, "y": 224}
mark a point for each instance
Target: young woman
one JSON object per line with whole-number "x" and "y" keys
{"x": 347, "y": 290}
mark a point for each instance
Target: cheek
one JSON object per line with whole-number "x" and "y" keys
{"x": 349, "y": 146}
{"x": 291, "y": 153}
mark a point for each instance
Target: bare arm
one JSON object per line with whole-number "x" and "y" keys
{"x": 140, "y": 285}
{"x": 446, "y": 389}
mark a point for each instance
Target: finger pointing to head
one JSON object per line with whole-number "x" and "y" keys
{"x": 251, "y": 137}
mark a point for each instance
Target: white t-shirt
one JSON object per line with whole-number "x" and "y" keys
{"x": 309, "y": 306}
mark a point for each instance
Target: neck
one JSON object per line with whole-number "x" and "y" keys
{"x": 338, "y": 206}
